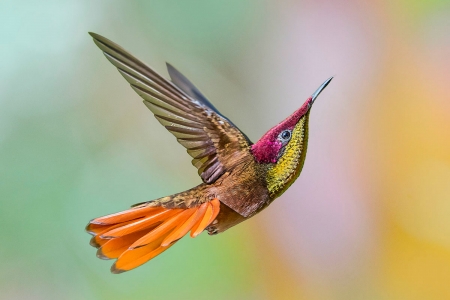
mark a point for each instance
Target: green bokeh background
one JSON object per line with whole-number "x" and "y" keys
{"x": 77, "y": 143}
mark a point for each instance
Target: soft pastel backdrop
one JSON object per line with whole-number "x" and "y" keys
{"x": 369, "y": 217}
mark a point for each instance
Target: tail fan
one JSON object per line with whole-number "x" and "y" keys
{"x": 136, "y": 235}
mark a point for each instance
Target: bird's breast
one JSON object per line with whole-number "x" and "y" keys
{"x": 243, "y": 189}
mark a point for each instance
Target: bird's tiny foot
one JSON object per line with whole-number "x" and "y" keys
{"x": 212, "y": 230}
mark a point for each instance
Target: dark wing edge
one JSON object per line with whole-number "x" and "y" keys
{"x": 186, "y": 86}
{"x": 196, "y": 124}
{"x": 190, "y": 89}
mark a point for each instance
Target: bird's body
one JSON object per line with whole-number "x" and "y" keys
{"x": 239, "y": 178}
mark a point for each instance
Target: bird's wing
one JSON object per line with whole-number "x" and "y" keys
{"x": 188, "y": 88}
{"x": 211, "y": 139}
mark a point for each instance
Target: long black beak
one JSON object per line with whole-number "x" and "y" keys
{"x": 320, "y": 89}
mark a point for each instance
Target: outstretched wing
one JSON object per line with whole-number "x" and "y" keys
{"x": 211, "y": 139}
{"x": 188, "y": 88}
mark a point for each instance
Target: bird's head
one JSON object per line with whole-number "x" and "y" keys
{"x": 283, "y": 148}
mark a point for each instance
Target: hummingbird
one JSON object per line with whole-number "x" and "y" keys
{"x": 240, "y": 178}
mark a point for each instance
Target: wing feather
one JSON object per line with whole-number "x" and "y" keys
{"x": 210, "y": 138}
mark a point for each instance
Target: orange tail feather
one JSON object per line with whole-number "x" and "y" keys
{"x": 184, "y": 228}
{"x": 141, "y": 224}
{"x": 139, "y": 234}
{"x": 113, "y": 248}
{"x": 203, "y": 222}
{"x": 163, "y": 229}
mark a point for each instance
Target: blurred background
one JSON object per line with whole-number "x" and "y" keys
{"x": 369, "y": 217}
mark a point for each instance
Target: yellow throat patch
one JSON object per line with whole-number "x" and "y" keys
{"x": 282, "y": 174}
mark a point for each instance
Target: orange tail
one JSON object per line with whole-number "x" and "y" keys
{"x": 136, "y": 235}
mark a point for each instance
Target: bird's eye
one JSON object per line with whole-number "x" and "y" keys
{"x": 285, "y": 135}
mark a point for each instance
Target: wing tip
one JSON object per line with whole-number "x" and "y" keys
{"x": 169, "y": 66}
{"x": 95, "y": 36}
